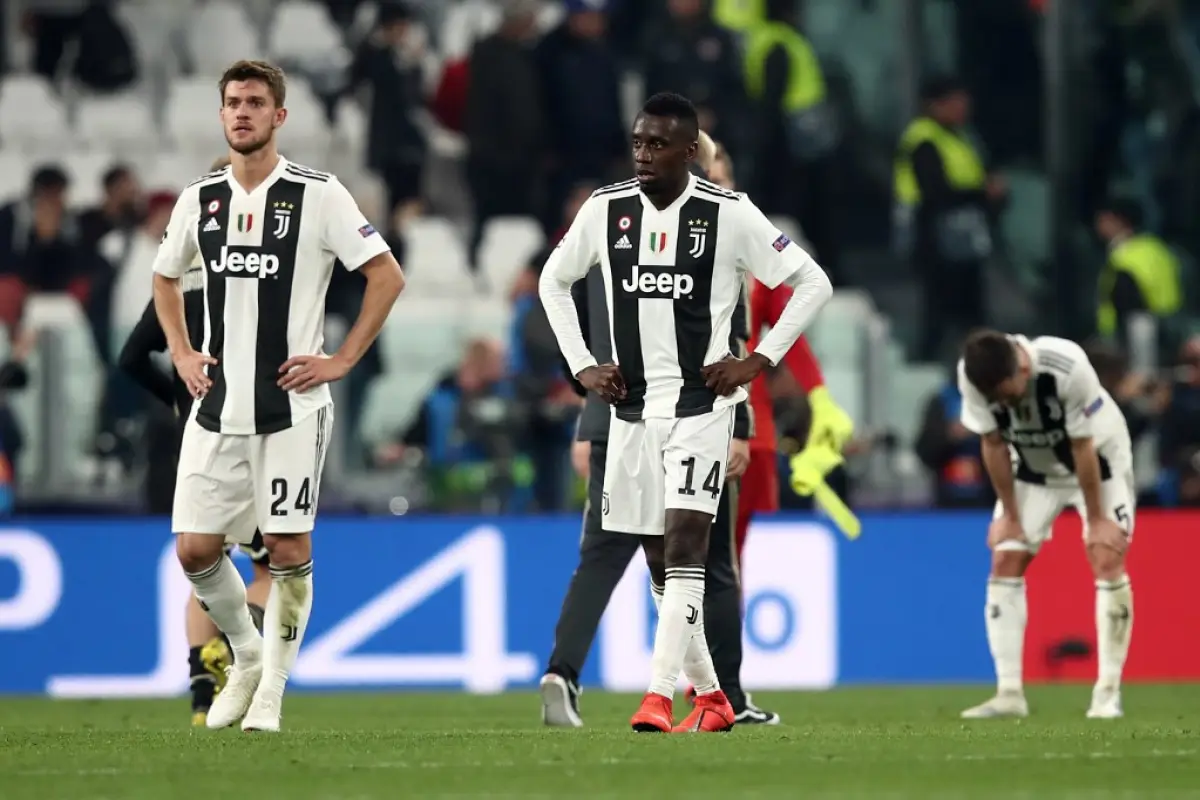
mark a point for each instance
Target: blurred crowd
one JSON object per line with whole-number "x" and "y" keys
{"x": 919, "y": 211}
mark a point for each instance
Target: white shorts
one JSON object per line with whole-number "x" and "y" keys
{"x": 656, "y": 464}
{"x": 1040, "y": 506}
{"x": 230, "y": 484}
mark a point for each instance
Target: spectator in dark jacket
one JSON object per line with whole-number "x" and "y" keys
{"x": 389, "y": 63}
{"x": 505, "y": 123}
{"x": 951, "y": 452}
{"x": 581, "y": 80}
{"x": 690, "y": 54}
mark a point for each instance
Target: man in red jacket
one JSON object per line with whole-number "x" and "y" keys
{"x": 831, "y": 427}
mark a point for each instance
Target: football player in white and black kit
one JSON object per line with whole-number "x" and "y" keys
{"x": 268, "y": 233}
{"x": 1052, "y": 438}
{"x": 674, "y": 251}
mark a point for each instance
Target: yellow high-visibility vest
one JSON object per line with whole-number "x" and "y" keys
{"x": 806, "y": 83}
{"x": 739, "y": 15}
{"x": 960, "y": 160}
{"x": 1155, "y": 270}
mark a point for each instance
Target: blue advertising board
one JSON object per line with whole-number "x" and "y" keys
{"x": 95, "y": 608}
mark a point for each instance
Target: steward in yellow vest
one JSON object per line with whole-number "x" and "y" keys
{"x": 811, "y": 127}
{"x": 739, "y": 16}
{"x": 1141, "y": 274}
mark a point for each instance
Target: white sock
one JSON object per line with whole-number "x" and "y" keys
{"x": 698, "y": 668}
{"x": 1114, "y": 626}
{"x": 679, "y": 618}
{"x": 1006, "y": 613}
{"x": 284, "y": 621}
{"x": 222, "y": 594}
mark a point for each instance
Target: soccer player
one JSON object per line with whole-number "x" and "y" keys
{"x": 268, "y": 232}
{"x": 1052, "y": 438}
{"x": 208, "y": 653}
{"x": 673, "y": 250}
{"x": 830, "y": 427}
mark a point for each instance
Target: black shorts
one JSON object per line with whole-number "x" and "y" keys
{"x": 256, "y": 549}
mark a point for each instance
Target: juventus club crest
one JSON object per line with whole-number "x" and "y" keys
{"x": 698, "y": 231}
{"x": 282, "y": 217}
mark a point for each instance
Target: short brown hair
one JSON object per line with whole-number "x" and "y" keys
{"x": 989, "y": 359}
{"x": 263, "y": 71}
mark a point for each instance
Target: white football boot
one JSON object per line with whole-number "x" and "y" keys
{"x": 1106, "y": 703}
{"x": 1004, "y": 704}
{"x": 243, "y": 677}
{"x": 265, "y": 712}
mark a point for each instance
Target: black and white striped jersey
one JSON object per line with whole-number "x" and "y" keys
{"x": 672, "y": 278}
{"x": 267, "y": 260}
{"x": 1064, "y": 401}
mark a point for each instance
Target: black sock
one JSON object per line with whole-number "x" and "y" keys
{"x": 203, "y": 684}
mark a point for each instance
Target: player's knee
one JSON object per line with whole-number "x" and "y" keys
{"x": 288, "y": 550}
{"x": 1010, "y": 563}
{"x": 686, "y": 539}
{"x": 198, "y": 551}
{"x": 1107, "y": 563}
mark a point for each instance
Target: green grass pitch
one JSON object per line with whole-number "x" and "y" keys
{"x": 848, "y": 743}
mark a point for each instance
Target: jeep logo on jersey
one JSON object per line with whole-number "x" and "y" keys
{"x": 244, "y": 262}
{"x": 659, "y": 285}
{"x": 1035, "y": 438}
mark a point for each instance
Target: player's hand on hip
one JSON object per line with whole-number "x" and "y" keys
{"x": 1106, "y": 533}
{"x": 1004, "y": 529}
{"x": 605, "y": 380}
{"x": 739, "y": 459}
{"x": 581, "y": 456}
{"x": 301, "y": 373}
{"x": 725, "y": 376}
{"x": 190, "y": 366}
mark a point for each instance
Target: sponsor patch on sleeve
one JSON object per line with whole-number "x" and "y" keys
{"x": 367, "y": 230}
{"x": 782, "y": 242}
{"x": 1094, "y": 407}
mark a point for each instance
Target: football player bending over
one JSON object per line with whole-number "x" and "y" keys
{"x": 1052, "y": 438}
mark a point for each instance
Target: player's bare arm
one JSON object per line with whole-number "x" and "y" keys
{"x": 190, "y": 364}
{"x": 385, "y": 281}
{"x": 998, "y": 463}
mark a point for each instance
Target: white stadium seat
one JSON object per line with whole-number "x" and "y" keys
{"x": 302, "y": 30}
{"x": 465, "y": 24}
{"x": 14, "y": 175}
{"x": 175, "y": 170}
{"x": 219, "y": 33}
{"x": 305, "y": 135}
{"x": 193, "y": 121}
{"x": 32, "y": 117}
{"x": 86, "y": 170}
{"x": 509, "y": 243}
{"x": 437, "y": 259}
{"x": 119, "y": 123}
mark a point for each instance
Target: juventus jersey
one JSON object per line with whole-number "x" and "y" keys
{"x": 267, "y": 260}
{"x": 672, "y": 278}
{"x": 1064, "y": 401}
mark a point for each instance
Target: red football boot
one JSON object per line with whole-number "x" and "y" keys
{"x": 711, "y": 713}
{"x": 654, "y": 715}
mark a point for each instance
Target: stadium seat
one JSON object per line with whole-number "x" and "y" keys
{"x": 33, "y": 118}
{"x": 14, "y": 175}
{"x": 174, "y": 170}
{"x": 465, "y": 24}
{"x": 509, "y": 243}
{"x": 119, "y": 123}
{"x": 220, "y": 32}
{"x": 301, "y": 31}
{"x": 350, "y": 130}
{"x": 487, "y": 317}
{"x": 193, "y": 122}
{"x": 392, "y": 404}
{"x": 86, "y": 170}
{"x": 305, "y": 136}
{"x": 423, "y": 333}
{"x": 158, "y": 30}
{"x": 910, "y": 390}
{"x": 437, "y": 259}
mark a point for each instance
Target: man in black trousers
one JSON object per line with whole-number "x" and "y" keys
{"x": 605, "y": 555}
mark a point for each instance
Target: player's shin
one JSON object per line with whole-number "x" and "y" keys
{"x": 288, "y": 608}
{"x": 1006, "y": 614}
{"x": 698, "y": 667}
{"x": 680, "y": 617}
{"x": 1114, "y": 626}
{"x": 222, "y": 594}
